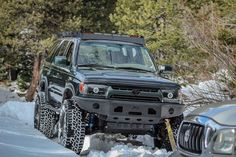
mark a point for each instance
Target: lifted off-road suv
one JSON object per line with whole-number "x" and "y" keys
{"x": 93, "y": 82}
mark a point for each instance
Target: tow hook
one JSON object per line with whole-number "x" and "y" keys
{"x": 170, "y": 134}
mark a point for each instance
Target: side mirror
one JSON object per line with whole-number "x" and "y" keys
{"x": 165, "y": 69}
{"x": 60, "y": 60}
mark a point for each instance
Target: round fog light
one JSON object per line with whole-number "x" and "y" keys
{"x": 170, "y": 95}
{"x": 96, "y": 90}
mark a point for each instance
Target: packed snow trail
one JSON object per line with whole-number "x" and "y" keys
{"x": 18, "y": 138}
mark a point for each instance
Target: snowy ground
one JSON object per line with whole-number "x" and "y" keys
{"x": 207, "y": 91}
{"x": 18, "y": 138}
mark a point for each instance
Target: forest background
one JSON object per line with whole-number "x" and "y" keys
{"x": 197, "y": 37}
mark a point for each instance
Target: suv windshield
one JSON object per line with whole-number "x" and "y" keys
{"x": 115, "y": 55}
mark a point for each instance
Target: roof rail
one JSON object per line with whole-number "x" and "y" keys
{"x": 104, "y": 36}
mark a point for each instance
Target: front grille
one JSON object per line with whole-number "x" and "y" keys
{"x": 128, "y": 93}
{"x": 123, "y": 88}
{"x": 191, "y": 137}
{"x": 138, "y": 98}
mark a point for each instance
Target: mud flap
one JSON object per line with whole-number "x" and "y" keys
{"x": 170, "y": 134}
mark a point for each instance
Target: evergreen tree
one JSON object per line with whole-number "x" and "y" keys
{"x": 27, "y": 26}
{"x": 159, "y": 22}
{"x": 95, "y": 15}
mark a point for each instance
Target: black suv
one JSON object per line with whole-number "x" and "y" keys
{"x": 93, "y": 82}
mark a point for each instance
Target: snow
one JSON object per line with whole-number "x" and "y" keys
{"x": 206, "y": 91}
{"x": 146, "y": 140}
{"x": 18, "y": 138}
{"x": 6, "y": 95}
{"x": 129, "y": 151}
{"x": 21, "y": 111}
{"x": 203, "y": 93}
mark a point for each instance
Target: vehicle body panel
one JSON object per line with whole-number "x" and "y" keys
{"x": 222, "y": 113}
{"x": 63, "y": 78}
{"x": 213, "y": 118}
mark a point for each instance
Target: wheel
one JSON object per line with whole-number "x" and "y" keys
{"x": 44, "y": 119}
{"x": 71, "y": 128}
{"x": 161, "y": 138}
{"x": 37, "y": 113}
{"x": 39, "y": 104}
{"x": 48, "y": 122}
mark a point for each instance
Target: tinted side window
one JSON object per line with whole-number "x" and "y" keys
{"x": 70, "y": 52}
{"x": 63, "y": 48}
{"x": 53, "y": 50}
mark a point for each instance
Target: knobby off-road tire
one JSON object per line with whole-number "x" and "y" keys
{"x": 71, "y": 130}
{"x": 161, "y": 138}
{"x": 38, "y": 111}
{"x": 46, "y": 119}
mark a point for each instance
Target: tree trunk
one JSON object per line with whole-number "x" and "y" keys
{"x": 35, "y": 79}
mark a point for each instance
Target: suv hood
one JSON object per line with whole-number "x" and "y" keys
{"x": 127, "y": 78}
{"x": 223, "y": 113}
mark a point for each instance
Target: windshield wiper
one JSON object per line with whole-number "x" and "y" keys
{"x": 114, "y": 67}
{"x": 95, "y": 65}
{"x": 133, "y": 68}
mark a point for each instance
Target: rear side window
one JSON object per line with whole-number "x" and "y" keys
{"x": 63, "y": 48}
{"x": 70, "y": 52}
{"x": 53, "y": 50}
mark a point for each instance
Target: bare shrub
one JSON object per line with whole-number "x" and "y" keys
{"x": 204, "y": 32}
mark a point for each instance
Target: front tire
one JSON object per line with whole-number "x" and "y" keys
{"x": 71, "y": 128}
{"x": 37, "y": 112}
{"x": 161, "y": 138}
{"x": 44, "y": 118}
{"x": 48, "y": 119}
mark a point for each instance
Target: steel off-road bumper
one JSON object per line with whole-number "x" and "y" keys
{"x": 134, "y": 112}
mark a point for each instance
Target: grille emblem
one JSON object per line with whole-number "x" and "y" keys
{"x": 136, "y": 91}
{"x": 186, "y": 135}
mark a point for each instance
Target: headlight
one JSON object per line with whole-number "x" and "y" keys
{"x": 172, "y": 96}
{"x": 93, "y": 89}
{"x": 224, "y": 142}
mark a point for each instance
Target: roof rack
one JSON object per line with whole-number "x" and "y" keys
{"x": 104, "y": 36}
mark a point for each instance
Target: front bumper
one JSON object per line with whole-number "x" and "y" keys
{"x": 130, "y": 111}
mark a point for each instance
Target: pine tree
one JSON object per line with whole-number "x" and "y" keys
{"x": 158, "y": 21}
{"x": 27, "y": 26}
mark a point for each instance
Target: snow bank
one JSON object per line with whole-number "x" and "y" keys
{"x": 108, "y": 145}
{"x": 20, "y": 140}
{"x": 22, "y": 111}
{"x": 146, "y": 140}
{"x": 206, "y": 91}
{"x": 130, "y": 151}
